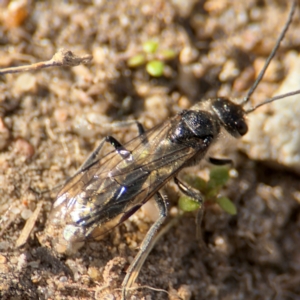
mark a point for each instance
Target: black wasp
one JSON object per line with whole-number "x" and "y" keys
{"x": 107, "y": 190}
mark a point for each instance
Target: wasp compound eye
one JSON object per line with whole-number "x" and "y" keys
{"x": 231, "y": 116}
{"x": 242, "y": 127}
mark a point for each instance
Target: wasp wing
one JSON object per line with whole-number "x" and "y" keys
{"x": 112, "y": 188}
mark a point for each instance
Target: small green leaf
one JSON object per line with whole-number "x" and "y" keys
{"x": 212, "y": 193}
{"x": 136, "y": 61}
{"x": 155, "y": 68}
{"x": 196, "y": 182}
{"x": 150, "y": 47}
{"x": 218, "y": 177}
{"x": 166, "y": 54}
{"x": 187, "y": 204}
{"x": 227, "y": 205}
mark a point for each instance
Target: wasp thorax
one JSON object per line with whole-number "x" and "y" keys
{"x": 231, "y": 116}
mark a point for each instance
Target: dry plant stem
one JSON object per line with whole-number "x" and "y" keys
{"x": 62, "y": 58}
{"x": 30, "y": 223}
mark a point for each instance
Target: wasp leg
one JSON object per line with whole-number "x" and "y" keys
{"x": 141, "y": 130}
{"x": 118, "y": 146}
{"x": 220, "y": 161}
{"x": 93, "y": 156}
{"x": 146, "y": 246}
{"x": 197, "y": 196}
{"x": 190, "y": 192}
{"x": 140, "y": 127}
{"x": 122, "y": 151}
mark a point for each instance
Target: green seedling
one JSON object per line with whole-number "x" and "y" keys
{"x": 150, "y": 46}
{"x": 210, "y": 190}
{"x": 136, "y": 61}
{"x": 152, "y": 58}
{"x": 155, "y": 68}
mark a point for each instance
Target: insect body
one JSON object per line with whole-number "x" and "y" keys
{"x": 108, "y": 190}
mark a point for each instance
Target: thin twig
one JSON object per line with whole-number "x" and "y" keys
{"x": 29, "y": 225}
{"x": 62, "y": 58}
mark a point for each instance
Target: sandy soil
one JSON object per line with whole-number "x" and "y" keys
{"x": 53, "y": 118}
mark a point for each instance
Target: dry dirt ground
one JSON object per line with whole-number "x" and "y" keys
{"x": 52, "y": 119}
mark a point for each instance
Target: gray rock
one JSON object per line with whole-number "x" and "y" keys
{"x": 275, "y": 137}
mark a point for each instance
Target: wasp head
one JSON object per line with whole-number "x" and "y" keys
{"x": 231, "y": 116}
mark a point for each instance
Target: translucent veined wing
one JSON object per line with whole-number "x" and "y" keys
{"x": 112, "y": 188}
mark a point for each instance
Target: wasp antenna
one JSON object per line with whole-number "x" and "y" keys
{"x": 272, "y": 100}
{"x": 272, "y": 54}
